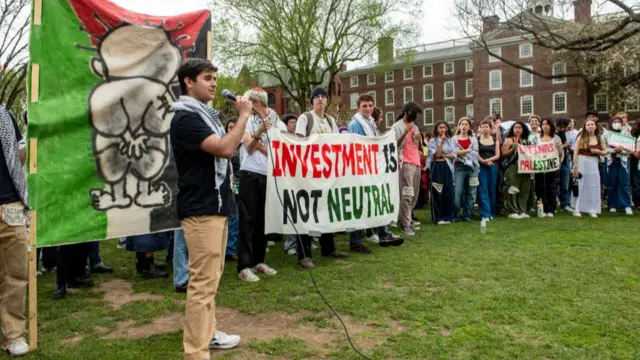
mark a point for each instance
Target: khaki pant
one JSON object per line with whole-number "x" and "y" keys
{"x": 14, "y": 276}
{"x": 409, "y": 190}
{"x": 206, "y": 238}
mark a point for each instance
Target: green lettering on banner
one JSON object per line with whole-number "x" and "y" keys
{"x": 367, "y": 190}
{"x": 385, "y": 201}
{"x": 376, "y": 200}
{"x": 333, "y": 203}
{"x": 391, "y": 207}
{"x": 357, "y": 210}
{"x": 346, "y": 214}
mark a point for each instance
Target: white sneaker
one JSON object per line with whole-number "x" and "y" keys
{"x": 513, "y": 190}
{"x": 18, "y": 347}
{"x": 524, "y": 216}
{"x": 223, "y": 341}
{"x": 550, "y": 215}
{"x": 577, "y": 214}
{"x": 248, "y": 275}
{"x": 569, "y": 209}
{"x": 442, "y": 222}
{"x": 408, "y": 231}
{"x": 292, "y": 252}
{"x": 515, "y": 216}
{"x": 271, "y": 243}
{"x": 374, "y": 239}
{"x": 393, "y": 224}
{"x": 265, "y": 269}
{"x": 628, "y": 211}
{"x": 415, "y": 223}
{"x": 613, "y": 210}
{"x": 415, "y": 228}
{"x": 593, "y": 215}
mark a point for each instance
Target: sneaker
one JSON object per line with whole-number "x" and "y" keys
{"x": 393, "y": 224}
{"x": 628, "y": 211}
{"x": 314, "y": 246}
{"x": 515, "y": 216}
{"x": 360, "y": 249}
{"x": 391, "y": 240}
{"x": 550, "y": 215}
{"x": 271, "y": 243}
{"x": 306, "y": 263}
{"x": 593, "y": 215}
{"x": 408, "y": 231}
{"x": 338, "y": 255}
{"x": 569, "y": 209}
{"x": 613, "y": 210}
{"x": 524, "y": 216}
{"x": 392, "y": 236}
{"x": 223, "y": 341}
{"x": 577, "y": 214}
{"x": 442, "y": 222}
{"x": 248, "y": 275}
{"x": 415, "y": 228}
{"x": 292, "y": 252}
{"x": 265, "y": 269}
{"x": 486, "y": 219}
{"x": 415, "y": 223}
{"x": 374, "y": 239}
{"x": 17, "y": 347}
{"x": 513, "y": 190}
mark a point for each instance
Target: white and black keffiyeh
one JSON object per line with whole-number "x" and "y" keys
{"x": 12, "y": 155}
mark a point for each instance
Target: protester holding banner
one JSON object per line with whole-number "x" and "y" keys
{"x": 519, "y": 184}
{"x": 442, "y": 154}
{"x": 489, "y": 154}
{"x": 546, "y": 183}
{"x": 586, "y": 156}
{"x": 465, "y": 171}
{"x": 619, "y": 146}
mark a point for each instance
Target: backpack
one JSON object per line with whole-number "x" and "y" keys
{"x": 310, "y": 122}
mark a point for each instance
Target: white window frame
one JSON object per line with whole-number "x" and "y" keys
{"x": 525, "y": 73}
{"x": 526, "y": 97}
{"x": 453, "y": 90}
{"x": 521, "y": 47}
{"x": 553, "y": 102}
{"x": 595, "y": 103}
{"x": 564, "y": 71}
{"x": 468, "y": 68}
{"x": 469, "y": 113}
{"x": 351, "y": 82}
{"x": 453, "y": 114}
{"x": 386, "y": 118}
{"x": 491, "y": 82}
{"x": 354, "y": 104}
{"x": 424, "y": 68}
{"x": 491, "y": 106}
{"x": 497, "y": 51}
{"x": 373, "y": 95}
{"x": 424, "y": 117}
{"x": 404, "y": 93}
{"x": 393, "y": 97}
{"x": 404, "y": 73}
{"x": 444, "y": 68}
{"x": 469, "y": 88}
{"x": 385, "y": 76}
{"x": 369, "y": 77}
{"x": 636, "y": 108}
{"x": 424, "y": 92}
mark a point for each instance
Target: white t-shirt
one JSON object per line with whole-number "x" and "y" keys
{"x": 320, "y": 125}
{"x": 257, "y": 162}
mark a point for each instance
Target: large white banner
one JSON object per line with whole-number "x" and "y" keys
{"x": 331, "y": 182}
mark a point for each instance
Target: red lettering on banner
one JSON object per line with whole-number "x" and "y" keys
{"x": 348, "y": 158}
{"x": 337, "y": 149}
{"x": 289, "y": 159}
{"x": 305, "y": 164}
{"x": 525, "y": 164}
{"x": 366, "y": 159}
{"x": 326, "y": 149}
{"x": 277, "y": 170}
{"x": 315, "y": 161}
{"x": 374, "y": 149}
{"x": 358, "y": 160}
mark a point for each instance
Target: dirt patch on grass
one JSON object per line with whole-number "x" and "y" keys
{"x": 101, "y": 330}
{"x": 165, "y": 324}
{"x": 119, "y": 292}
{"x": 73, "y": 340}
{"x": 445, "y": 332}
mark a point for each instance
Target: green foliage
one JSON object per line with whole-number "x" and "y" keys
{"x": 236, "y": 85}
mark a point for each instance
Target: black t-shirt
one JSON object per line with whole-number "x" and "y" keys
{"x": 8, "y": 192}
{"x": 197, "y": 194}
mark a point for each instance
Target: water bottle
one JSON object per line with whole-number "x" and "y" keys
{"x": 483, "y": 226}
{"x": 540, "y": 209}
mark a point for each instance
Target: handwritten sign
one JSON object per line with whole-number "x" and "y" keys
{"x": 539, "y": 158}
{"x": 624, "y": 141}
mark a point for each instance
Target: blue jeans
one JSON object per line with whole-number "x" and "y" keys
{"x": 232, "y": 235}
{"x": 356, "y": 237}
{"x": 463, "y": 192}
{"x": 487, "y": 202}
{"x": 94, "y": 254}
{"x": 563, "y": 186}
{"x": 180, "y": 259}
{"x": 618, "y": 189}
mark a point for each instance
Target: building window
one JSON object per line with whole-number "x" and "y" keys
{"x": 470, "y": 111}
{"x": 449, "y": 90}
{"x": 408, "y": 74}
{"x": 408, "y": 94}
{"x": 526, "y": 50}
{"x": 558, "y": 69}
{"x": 371, "y": 79}
{"x": 497, "y": 51}
{"x": 495, "y": 80}
{"x": 388, "y": 76}
{"x": 373, "y": 96}
{"x": 389, "y": 119}
{"x": 428, "y": 92}
{"x": 450, "y": 114}
{"x": 354, "y": 81}
{"x": 448, "y": 68}
{"x": 468, "y": 65}
{"x": 469, "y": 87}
{"x": 632, "y": 105}
{"x": 495, "y": 107}
{"x": 526, "y": 105}
{"x": 354, "y": 101}
{"x": 427, "y": 71}
{"x": 388, "y": 97}
{"x": 427, "y": 117}
{"x": 601, "y": 103}
{"x": 271, "y": 99}
{"x": 559, "y": 103}
{"x": 526, "y": 78}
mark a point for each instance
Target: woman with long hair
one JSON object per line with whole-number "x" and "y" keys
{"x": 442, "y": 153}
{"x": 519, "y": 184}
{"x": 489, "y": 154}
{"x": 547, "y": 183}
{"x": 618, "y": 175}
{"x": 589, "y": 147}
{"x": 635, "y": 167}
{"x": 465, "y": 170}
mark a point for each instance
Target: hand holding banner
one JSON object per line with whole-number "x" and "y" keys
{"x": 626, "y": 142}
{"x": 539, "y": 158}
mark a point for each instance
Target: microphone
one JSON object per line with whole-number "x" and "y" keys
{"x": 228, "y": 95}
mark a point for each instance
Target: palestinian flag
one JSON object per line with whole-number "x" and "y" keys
{"x": 105, "y": 82}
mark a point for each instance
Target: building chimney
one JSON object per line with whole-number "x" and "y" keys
{"x": 582, "y": 11}
{"x": 489, "y": 23}
{"x": 385, "y": 50}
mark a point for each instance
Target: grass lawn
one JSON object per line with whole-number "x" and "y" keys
{"x": 562, "y": 288}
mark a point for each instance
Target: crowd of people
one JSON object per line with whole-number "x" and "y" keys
{"x": 222, "y": 177}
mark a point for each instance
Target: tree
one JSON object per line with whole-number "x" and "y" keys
{"x": 14, "y": 31}
{"x": 305, "y": 43}
{"x": 237, "y": 85}
{"x": 599, "y": 48}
